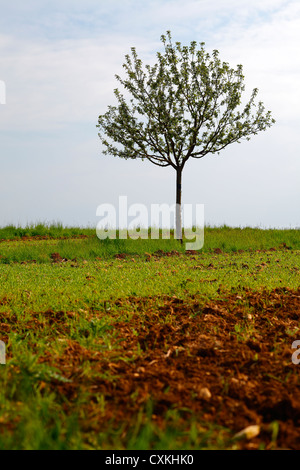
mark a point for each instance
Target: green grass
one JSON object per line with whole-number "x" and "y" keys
{"x": 53, "y": 230}
{"x": 80, "y": 285}
{"x": 234, "y": 239}
{"x": 63, "y": 241}
{"x": 44, "y": 306}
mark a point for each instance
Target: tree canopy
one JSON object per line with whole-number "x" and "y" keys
{"x": 187, "y": 105}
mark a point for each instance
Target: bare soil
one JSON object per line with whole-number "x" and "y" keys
{"x": 228, "y": 361}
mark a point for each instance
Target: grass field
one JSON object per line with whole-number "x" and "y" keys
{"x": 138, "y": 344}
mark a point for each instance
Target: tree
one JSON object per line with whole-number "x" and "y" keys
{"x": 185, "y": 106}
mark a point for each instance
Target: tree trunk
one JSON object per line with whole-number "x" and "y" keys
{"x": 178, "y": 205}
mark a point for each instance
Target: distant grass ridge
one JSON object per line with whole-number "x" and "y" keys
{"x": 36, "y": 243}
{"x": 54, "y": 230}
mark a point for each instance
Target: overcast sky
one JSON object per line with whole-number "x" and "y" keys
{"x": 58, "y": 63}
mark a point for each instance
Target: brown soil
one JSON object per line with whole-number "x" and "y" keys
{"x": 228, "y": 361}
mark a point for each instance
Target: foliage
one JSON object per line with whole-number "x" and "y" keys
{"x": 186, "y": 105}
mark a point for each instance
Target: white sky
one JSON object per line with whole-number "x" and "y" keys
{"x": 58, "y": 60}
